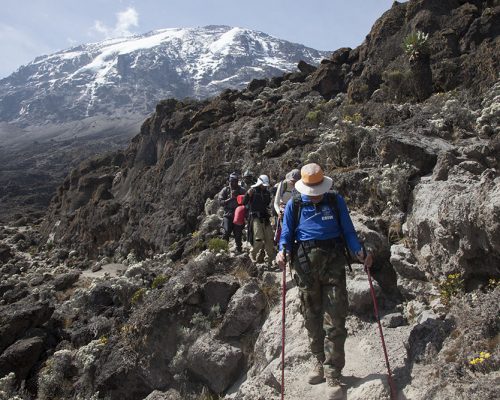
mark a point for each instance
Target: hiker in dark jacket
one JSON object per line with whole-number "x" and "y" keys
{"x": 228, "y": 200}
{"x": 258, "y": 200}
{"x": 247, "y": 179}
{"x": 314, "y": 245}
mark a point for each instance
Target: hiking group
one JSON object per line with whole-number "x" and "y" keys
{"x": 315, "y": 235}
{"x": 249, "y": 201}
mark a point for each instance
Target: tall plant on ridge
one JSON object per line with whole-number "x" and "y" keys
{"x": 416, "y": 47}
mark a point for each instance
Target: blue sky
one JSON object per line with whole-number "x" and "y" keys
{"x": 29, "y": 28}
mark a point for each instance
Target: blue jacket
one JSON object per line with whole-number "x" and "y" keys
{"x": 318, "y": 222}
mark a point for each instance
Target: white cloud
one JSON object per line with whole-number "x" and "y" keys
{"x": 125, "y": 20}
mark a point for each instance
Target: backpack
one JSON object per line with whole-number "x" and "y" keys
{"x": 240, "y": 212}
{"x": 331, "y": 198}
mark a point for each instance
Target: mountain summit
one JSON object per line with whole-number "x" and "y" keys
{"x": 132, "y": 74}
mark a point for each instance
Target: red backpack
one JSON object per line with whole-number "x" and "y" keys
{"x": 240, "y": 212}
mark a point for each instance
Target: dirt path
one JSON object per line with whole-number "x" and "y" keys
{"x": 365, "y": 373}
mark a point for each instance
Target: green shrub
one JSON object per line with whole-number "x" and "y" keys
{"x": 173, "y": 246}
{"x": 138, "y": 296}
{"x": 201, "y": 322}
{"x": 313, "y": 116}
{"x": 206, "y": 394}
{"x": 451, "y": 287}
{"x": 216, "y": 244}
{"x": 416, "y": 45}
{"x": 241, "y": 273}
{"x": 355, "y": 118}
{"x": 397, "y": 83}
{"x": 159, "y": 281}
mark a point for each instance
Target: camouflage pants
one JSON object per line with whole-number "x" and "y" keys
{"x": 324, "y": 303}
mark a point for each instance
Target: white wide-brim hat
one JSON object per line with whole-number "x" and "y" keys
{"x": 313, "y": 182}
{"x": 262, "y": 180}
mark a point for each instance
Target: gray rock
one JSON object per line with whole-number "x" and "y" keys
{"x": 36, "y": 280}
{"x": 65, "y": 281}
{"x": 426, "y": 339}
{"x": 96, "y": 267}
{"x": 218, "y": 291}
{"x": 5, "y": 253}
{"x": 358, "y": 291}
{"x": 172, "y": 394}
{"x": 218, "y": 364}
{"x": 376, "y": 389}
{"x": 17, "y": 318}
{"x": 244, "y": 309}
{"x": 270, "y": 380}
{"x": 404, "y": 263}
{"x": 393, "y": 320}
{"x": 21, "y": 357}
{"x": 454, "y": 223}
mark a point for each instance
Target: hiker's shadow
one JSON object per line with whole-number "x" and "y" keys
{"x": 355, "y": 381}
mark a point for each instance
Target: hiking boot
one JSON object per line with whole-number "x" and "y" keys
{"x": 332, "y": 381}
{"x": 317, "y": 375}
{"x": 334, "y": 389}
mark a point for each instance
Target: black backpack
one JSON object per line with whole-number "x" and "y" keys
{"x": 331, "y": 198}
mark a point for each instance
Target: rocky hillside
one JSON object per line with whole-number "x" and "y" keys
{"x": 65, "y": 107}
{"x": 411, "y": 140}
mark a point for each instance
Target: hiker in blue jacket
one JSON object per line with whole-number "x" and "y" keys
{"x": 312, "y": 239}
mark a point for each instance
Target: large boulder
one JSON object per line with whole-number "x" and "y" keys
{"x": 455, "y": 226}
{"x": 359, "y": 293}
{"x": 427, "y": 337}
{"x": 218, "y": 364}
{"x": 17, "y": 318}
{"x": 217, "y": 291}
{"x": 244, "y": 310}
{"x": 5, "y": 253}
{"x": 21, "y": 357}
{"x": 171, "y": 394}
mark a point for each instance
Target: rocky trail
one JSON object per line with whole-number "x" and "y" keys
{"x": 365, "y": 373}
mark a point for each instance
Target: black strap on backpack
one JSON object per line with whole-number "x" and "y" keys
{"x": 331, "y": 198}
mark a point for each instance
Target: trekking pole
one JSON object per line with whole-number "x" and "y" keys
{"x": 283, "y": 331}
{"x": 375, "y": 306}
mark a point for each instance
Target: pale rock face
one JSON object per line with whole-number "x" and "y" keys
{"x": 373, "y": 390}
{"x": 454, "y": 222}
{"x": 358, "y": 291}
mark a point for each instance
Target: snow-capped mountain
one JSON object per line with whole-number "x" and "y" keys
{"x": 131, "y": 74}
